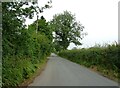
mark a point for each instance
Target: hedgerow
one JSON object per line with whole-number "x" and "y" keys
{"x": 25, "y": 58}
{"x": 105, "y": 59}
{"x": 24, "y": 49}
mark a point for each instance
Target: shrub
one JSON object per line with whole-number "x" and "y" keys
{"x": 105, "y": 58}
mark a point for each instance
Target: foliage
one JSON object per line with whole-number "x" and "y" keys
{"x": 43, "y": 28}
{"x": 23, "y": 49}
{"x": 67, "y": 30}
{"x": 104, "y": 58}
{"x": 13, "y": 20}
{"x": 16, "y": 70}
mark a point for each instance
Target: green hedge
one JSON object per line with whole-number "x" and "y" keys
{"x": 104, "y": 58}
{"x": 23, "y": 50}
{"x": 15, "y": 71}
{"x": 20, "y": 61}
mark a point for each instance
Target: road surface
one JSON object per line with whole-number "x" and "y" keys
{"x": 61, "y": 72}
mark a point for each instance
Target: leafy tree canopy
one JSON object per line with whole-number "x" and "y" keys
{"x": 13, "y": 20}
{"x": 67, "y": 30}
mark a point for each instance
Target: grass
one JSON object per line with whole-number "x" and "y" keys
{"x": 16, "y": 71}
{"x": 41, "y": 67}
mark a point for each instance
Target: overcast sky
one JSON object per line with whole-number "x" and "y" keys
{"x": 100, "y": 18}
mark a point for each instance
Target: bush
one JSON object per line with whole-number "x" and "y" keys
{"x": 30, "y": 48}
{"x": 105, "y": 58}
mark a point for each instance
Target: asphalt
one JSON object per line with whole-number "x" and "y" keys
{"x": 62, "y": 72}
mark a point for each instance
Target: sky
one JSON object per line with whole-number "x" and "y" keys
{"x": 99, "y": 17}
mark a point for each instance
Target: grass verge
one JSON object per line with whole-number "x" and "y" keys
{"x": 41, "y": 67}
{"x": 20, "y": 72}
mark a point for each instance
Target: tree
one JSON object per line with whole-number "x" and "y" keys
{"x": 23, "y": 48}
{"x": 13, "y": 20}
{"x": 67, "y": 30}
{"x": 13, "y": 17}
{"x": 43, "y": 29}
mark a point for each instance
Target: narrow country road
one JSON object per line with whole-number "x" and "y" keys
{"x": 61, "y": 72}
